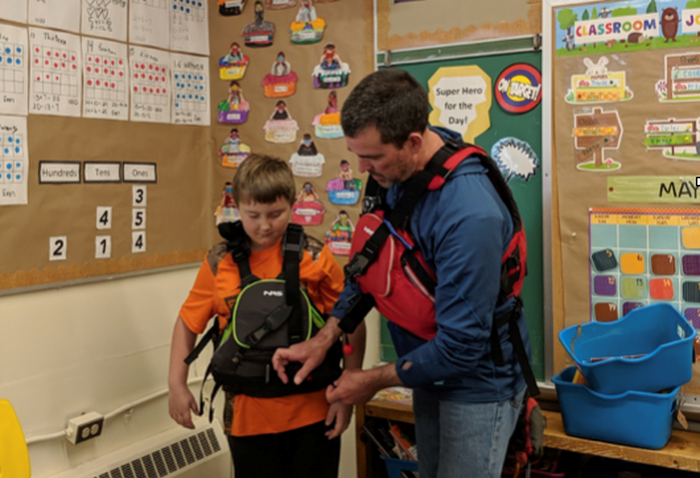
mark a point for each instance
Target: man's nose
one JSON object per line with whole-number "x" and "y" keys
{"x": 363, "y": 165}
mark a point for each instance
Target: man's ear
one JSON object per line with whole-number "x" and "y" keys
{"x": 415, "y": 142}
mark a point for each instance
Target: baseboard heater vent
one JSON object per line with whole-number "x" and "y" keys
{"x": 177, "y": 451}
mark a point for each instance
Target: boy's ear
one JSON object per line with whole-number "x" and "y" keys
{"x": 414, "y": 142}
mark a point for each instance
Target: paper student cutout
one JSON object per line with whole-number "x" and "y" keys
{"x": 234, "y": 109}
{"x": 327, "y": 124}
{"x": 339, "y": 236}
{"x": 279, "y": 4}
{"x": 260, "y": 32}
{"x": 233, "y": 65}
{"x": 233, "y": 152}
{"x": 307, "y": 27}
{"x": 307, "y": 209}
{"x": 281, "y": 81}
{"x": 597, "y": 85}
{"x": 345, "y": 189}
{"x": 331, "y": 72}
{"x": 227, "y": 211}
{"x": 307, "y": 162}
{"x": 231, "y": 7}
{"x": 280, "y": 128}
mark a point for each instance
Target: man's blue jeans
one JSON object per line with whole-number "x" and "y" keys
{"x": 463, "y": 440}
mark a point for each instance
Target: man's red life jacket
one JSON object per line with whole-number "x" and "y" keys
{"x": 399, "y": 279}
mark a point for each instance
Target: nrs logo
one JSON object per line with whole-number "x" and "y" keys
{"x": 274, "y": 293}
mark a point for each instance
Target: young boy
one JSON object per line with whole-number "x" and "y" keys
{"x": 290, "y": 436}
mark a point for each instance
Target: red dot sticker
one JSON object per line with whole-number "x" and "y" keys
{"x": 97, "y": 82}
{"x": 89, "y": 82}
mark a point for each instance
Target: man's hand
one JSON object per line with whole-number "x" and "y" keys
{"x": 181, "y": 402}
{"x": 359, "y": 386}
{"x": 310, "y": 353}
{"x": 341, "y": 413}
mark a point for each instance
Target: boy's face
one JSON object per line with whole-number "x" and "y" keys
{"x": 265, "y": 224}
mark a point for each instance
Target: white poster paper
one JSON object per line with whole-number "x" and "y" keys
{"x": 149, "y": 22}
{"x": 190, "y": 89}
{"x": 104, "y": 18}
{"x": 14, "y": 10}
{"x": 13, "y": 70}
{"x": 189, "y": 29}
{"x": 14, "y": 161}
{"x": 60, "y": 14}
{"x": 54, "y": 73}
{"x": 105, "y": 80}
{"x": 150, "y": 85}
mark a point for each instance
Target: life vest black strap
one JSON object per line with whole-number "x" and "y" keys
{"x": 293, "y": 250}
{"x": 511, "y": 318}
{"x": 210, "y": 336}
{"x": 239, "y": 245}
{"x": 398, "y": 217}
{"x": 360, "y": 305}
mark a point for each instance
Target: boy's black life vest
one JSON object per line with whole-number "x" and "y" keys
{"x": 267, "y": 314}
{"x": 401, "y": 285}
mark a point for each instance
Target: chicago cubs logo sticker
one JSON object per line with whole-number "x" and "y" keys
{"x": 518, "y": 88}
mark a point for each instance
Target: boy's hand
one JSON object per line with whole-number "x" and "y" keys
{"x": 181, "y": 402}
{"x": 341, "y": 413}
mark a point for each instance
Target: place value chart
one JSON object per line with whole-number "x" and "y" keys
{"x": 644, "y": 256}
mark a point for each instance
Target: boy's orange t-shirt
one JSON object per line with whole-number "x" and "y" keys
{"x": 214, "y": 292}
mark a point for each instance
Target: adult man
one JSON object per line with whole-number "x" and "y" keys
{"x": 465, "y": 405}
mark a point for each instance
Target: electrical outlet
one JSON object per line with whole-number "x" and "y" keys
{"x": 83, "y": 427}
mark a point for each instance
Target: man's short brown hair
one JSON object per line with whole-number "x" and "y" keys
{"x": 263, "y": 179}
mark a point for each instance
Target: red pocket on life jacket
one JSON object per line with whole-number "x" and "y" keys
{"x": 398, "y": 293}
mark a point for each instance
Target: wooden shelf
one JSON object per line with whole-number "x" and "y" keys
{"x": 682, "y": 451}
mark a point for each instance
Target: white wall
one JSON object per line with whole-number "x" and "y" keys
{"x": 98, "y": 347}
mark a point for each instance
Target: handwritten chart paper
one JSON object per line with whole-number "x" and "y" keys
{"x": 105, "y": 80}
{"x": 14, "y": 162}
{"x": 190, "y": 89}
{"x": 149, "y": 22}
{"x": 105, "y": 19}
{"x": 189, "y": 29}
{"x": 14, "y": 10}
{"x": 150, "y": 85}
{"x": 54, "y": 87}
{"x": 13, "y": 70}
{"x": 60, "y": 14}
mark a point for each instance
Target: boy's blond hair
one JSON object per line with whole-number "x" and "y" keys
{"x": 263, "y": 179}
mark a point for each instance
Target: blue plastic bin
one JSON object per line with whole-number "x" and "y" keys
{"x": 632, "y": 418}
{"x": 658, "y": 332}
{"x": 395, "y": 466}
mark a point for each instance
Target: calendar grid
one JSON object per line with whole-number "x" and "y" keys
{"x": 653, "y": 257}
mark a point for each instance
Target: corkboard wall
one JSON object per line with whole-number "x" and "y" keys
{"x": 180, "y": 206}
{"x": 349, "y": 28}
{"x": 422, "y": 23}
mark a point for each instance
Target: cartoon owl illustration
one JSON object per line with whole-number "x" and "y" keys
{"x": 669, "y": 23}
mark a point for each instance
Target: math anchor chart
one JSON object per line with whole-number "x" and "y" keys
{"x": 644, "y": 256}
{"x": 189, "y": 30}
{"x": 54, "y": 73}
{"x": 104, "y": 18}
{"x": 190, "y": 99}
{"x": 149, "y": 22}
{"x": 13, "y": 70}
{"x": 60, "y": 14}
{"x": 150, "y": 85}
{"x": 105, "y": 80}
{"x": 14, "y": 162}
